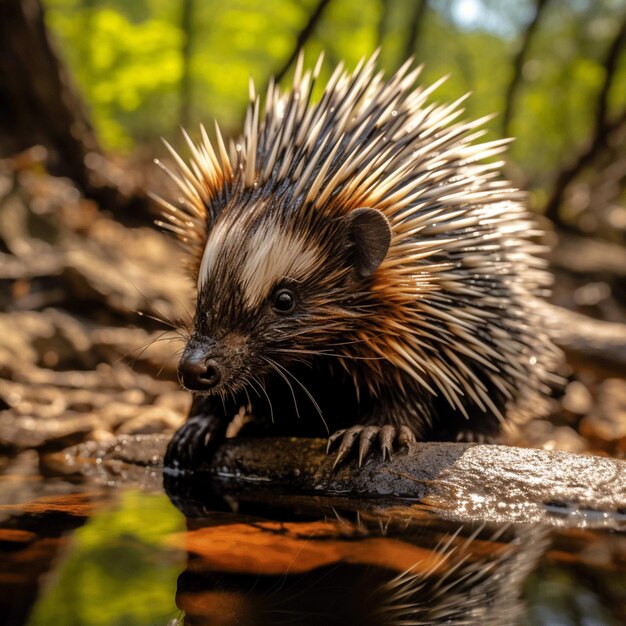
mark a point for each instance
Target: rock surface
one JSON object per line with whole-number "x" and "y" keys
{"x": 459, "y": 481}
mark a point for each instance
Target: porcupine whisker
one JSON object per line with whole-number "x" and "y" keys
{"x": 174, "y": 324}
{"x": 144, "y": 346}
{"x": 253, "y": 382}
{"x": 293, "y": 395}
{"x": 223, "y": 400}
{"x": 187, "y": 312}
{"x": 333, "y": 354}
{"x": 147, "y": 345}
{"x": 308, "y": 393}
{"x": 161, "y": 320}
{"x": 164, "y": 319}
{"x": 161, "y": 338}
{"x": 245, "y": 389}
{"x": 182, "y": 333}
{"x": 262, "y": 387}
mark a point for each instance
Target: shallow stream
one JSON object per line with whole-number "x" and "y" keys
{"x": 79, "y": 553}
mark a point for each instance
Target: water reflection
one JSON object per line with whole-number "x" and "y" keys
{"x": 325, "y": 561}
{"x": 469, "y": 576}
{"x": 280, "y": 559}
{"x": 104, "y": 557}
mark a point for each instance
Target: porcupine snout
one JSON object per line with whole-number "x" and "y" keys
{"x": 198, "y": 369}
{"x": 208, "y": 364}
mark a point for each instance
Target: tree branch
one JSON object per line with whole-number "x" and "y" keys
{"x": 41, "y": 105}
{"x": 417, "y": 19}
{"x": 303, "y": 37}
{"x": 185, "y": 80}
{"x": 610, "y": 68}
{"x": 518, "y": 67}
{"x": 583, "y": 157}
{"x": 602, "y": 131}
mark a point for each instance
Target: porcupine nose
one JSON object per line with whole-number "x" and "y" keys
{"x": 198, "y": 373}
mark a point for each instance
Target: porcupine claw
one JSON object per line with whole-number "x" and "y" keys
{"x": 387, "y": 435}
{"x": 347, "y": 441}
{"x": 183, "y": 449}
{"x": 406, "y": 438}
{"x": 197, "y": 439}
{"x": 366, "y": 435}
{"x": 334, "y": 438}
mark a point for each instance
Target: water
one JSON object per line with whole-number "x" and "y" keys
{"x": 76, "y": 553}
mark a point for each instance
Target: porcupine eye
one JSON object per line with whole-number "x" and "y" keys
{"x": 283, "y": 301}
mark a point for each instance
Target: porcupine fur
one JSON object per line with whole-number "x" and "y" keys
{"x": 411, "y": 262}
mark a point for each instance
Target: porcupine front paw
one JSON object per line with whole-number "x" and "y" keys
{"x": 366, "y": 435}
{"x": 194, "y": 442}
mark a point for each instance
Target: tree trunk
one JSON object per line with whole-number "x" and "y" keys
{"x": 40, "y": 105}
{"x": 185, "y": 81}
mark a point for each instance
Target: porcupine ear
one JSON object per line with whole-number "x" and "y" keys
{"x": 370, "y": 235}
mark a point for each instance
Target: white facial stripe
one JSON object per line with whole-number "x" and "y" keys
{"x": 212, "y": 249}
{"x": 274, "y": 254}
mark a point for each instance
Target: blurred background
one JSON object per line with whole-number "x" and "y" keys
{"x": 93, "y": 295}
{"x": 553, "y": 71}
{"x": 88, "y": 88}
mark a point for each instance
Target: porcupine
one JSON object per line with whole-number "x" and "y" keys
{"x": 362, "y": 269}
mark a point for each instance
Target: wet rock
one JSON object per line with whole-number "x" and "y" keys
{"x": 129, "y": 460}
{"x": 461, "y": 481}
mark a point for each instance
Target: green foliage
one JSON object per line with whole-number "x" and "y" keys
{"x": 563, "y": 76}
{"x": 128, "y": 71}
{"x": 118, "y": 570}
{"x": 127, "y": 59}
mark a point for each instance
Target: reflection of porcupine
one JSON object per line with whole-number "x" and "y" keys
{"x": 360, "y": 260}
{"x": 461, "y": 581}
{"x": 462, "y": 590}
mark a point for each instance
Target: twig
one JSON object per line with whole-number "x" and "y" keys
{"x": 584, "y": 157}
{"x": 185, "y": 80}
{"x": 518, "y": 67}
{"x": 383, "y": 23}
{"x": 303, "y": 37}
{"x": 417, "y": 19}
{"x": 603, "y": 129}
{"x": 610, "y": 67}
